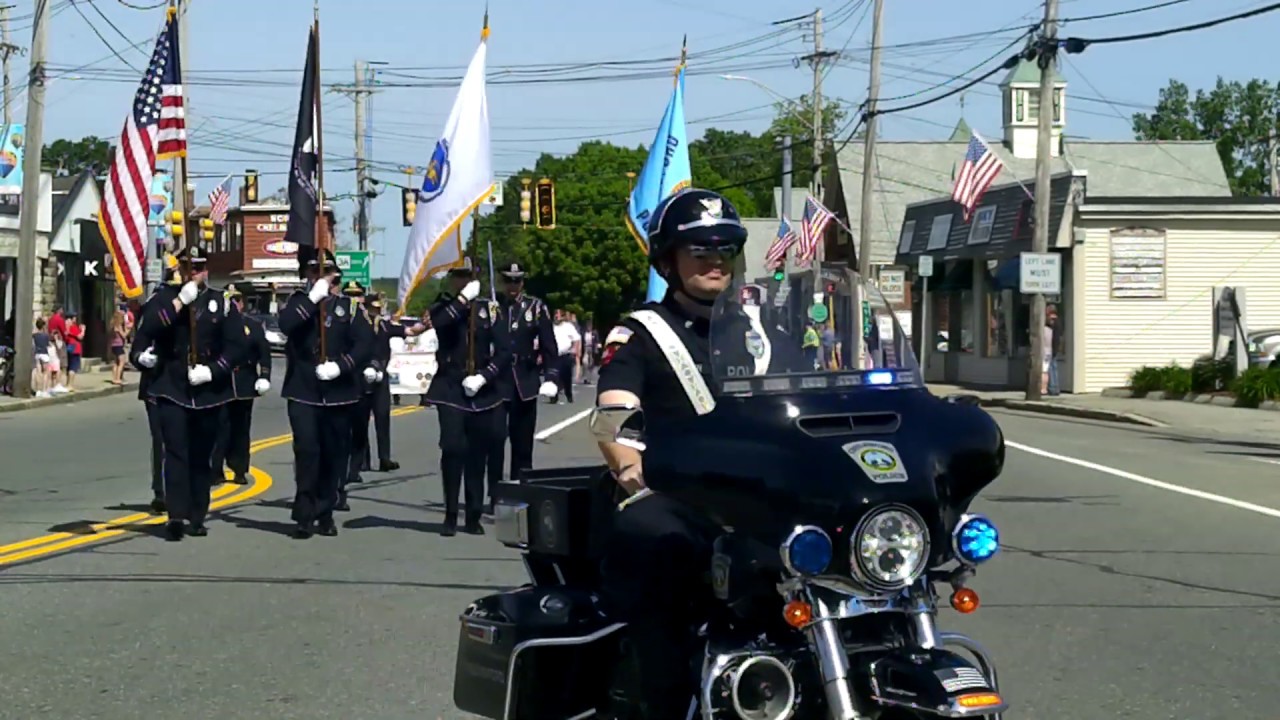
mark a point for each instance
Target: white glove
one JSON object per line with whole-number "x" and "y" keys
{"x": 380, "y": 376}
{"x": 327, "y": 371}
{"x": 147, "y": 358}
{"x": 472, "y": 384}
{"x": 471, "y": 290}
{"x": 199, "y": 374}
{"x": 548, "y": 390}
{"x": 370, "y": 375}
{"x": 319, "y": 291}
{"x": 262, "y": 386}
{"x": 188, "y": 293}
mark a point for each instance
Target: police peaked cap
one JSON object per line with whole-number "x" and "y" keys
{"x": 192, "y": 254}
{"x": 464, "y": 268}
{"x": 374, "y": 300}
{"x": 232, "y": 292}
{"x": 330, "y": 261}
{"x": 353, "y": 289}
{"x": 514, "y": 271}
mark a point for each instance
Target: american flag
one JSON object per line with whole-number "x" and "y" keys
{"x": 981, "y": 166}
{"x": 154, "y": 130}
{"x": 219, "y": 201}
{"x": 777, "y": 252}
{"x": 813, "y": 227}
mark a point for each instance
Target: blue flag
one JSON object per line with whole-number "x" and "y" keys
{"x": 665, "y": 172}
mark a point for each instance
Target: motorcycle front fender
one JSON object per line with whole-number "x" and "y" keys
{"x": 934, "y": 682}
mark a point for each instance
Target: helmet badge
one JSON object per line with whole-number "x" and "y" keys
{"x": 713, "y": 209}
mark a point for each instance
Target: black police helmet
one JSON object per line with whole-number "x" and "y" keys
{"x": 693, "y": 217}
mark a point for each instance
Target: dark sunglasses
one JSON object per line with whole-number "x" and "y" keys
{"x": 512, "y": 280}
{"x": 717, "y": 252}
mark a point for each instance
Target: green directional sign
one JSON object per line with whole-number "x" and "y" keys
{"x": 355, "y": 265}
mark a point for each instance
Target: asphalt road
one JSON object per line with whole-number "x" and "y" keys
{"x": 1115, "y": 596}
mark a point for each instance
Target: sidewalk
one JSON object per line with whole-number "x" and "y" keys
{"x": 1198, "y": 418}
{"x": 90, "y": 385}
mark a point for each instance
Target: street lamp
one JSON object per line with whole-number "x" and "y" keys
{"x": 787, "y": 102}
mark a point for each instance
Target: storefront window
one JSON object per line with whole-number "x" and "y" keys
{"x": 997, "y": 322}
{"x": 940, "y": 320}
{"x": 968, "y": 322}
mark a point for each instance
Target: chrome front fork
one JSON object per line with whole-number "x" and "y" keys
{"x": 833, "y": 661}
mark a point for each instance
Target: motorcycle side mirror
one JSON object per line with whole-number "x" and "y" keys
{"x": 622, "y": 423}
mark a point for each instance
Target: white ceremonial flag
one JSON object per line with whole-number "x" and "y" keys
{"x": 459, "y": 177}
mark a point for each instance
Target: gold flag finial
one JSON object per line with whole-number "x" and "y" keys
{"x": 484, "y": 32}
{"x": 171, "y": 11}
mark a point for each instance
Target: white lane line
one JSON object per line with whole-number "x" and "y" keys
{"x": 1269, "y": 461}
{"x": 1150, "y": 482}
{"x": 542, "y": 436}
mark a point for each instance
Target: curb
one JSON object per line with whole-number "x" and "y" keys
{"x": 1049, "y": 408}
{"x": 1205, "y": 399}
{"x": 77, "y": 396}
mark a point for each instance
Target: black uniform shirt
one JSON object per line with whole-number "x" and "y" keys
{"x": 348, "y": 342}
{"x": 257, "y": 362}
{"x": 528, "y": 320}
{"x": 219, "y": 344}
{"x": 486, "y": 351}
{"x": 163, "y": 297}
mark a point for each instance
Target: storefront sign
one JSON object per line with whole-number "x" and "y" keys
{"x": 275, "y": 263}
{"x": 280, "y": 247}
{"x": 1040, "y": 273}
{"x": 893, "y": 286}
{"x": 1137, "y": 263}
{"x": 275, "y": 224}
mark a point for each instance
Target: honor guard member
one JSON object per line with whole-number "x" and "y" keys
{"x": 192, "y": 343}
{"x": 529, "y": 323}
{"x": 250, "y": 379}
{"x": 163, "y": 295}
{"x": 328, "y": 348}
{"x": 657, "y": 359}
{"x": 358, "y": 455}
{"x": 473, "y": 352}
{"x": 383, "y": 331}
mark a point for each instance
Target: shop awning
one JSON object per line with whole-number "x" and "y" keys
{"x": 1007, "y": 274}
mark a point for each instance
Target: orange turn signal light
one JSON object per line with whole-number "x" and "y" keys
{"x": 797, "y": 613}
{"x": 965, "y": 600}
{"x": 979, "y": 700}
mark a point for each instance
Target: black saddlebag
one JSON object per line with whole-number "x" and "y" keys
{"x": 558, "y": 512}
{"x": 536, "y": 653}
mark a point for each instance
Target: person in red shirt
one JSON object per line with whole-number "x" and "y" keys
{"x": 75, "y": 348}
{"x": 58, "y": 331}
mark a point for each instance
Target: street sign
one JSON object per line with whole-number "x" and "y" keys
{"x": 496, "y": 198}
{"x": 1040, "y": 273}
{"x": 926, "y": 266}
{"x": 355, "y": 265}
{"x": 893, "y": 286}
{"x": 155, "y": 268}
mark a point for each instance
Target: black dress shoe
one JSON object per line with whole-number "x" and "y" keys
{"x": 174, "y": 530}
{"x": 365, "y": 467}
{"x": 342, "y": 506}
{"x": 327, "y": 528}
{"x": 240, "y": 479}
{"x": 355, "y": 480}
{"x": 473, "y": 529}
{"x": 449, "y": 531}
{"x": 197, "y": 531}
{"x": 388, "y": 466}
{"x": 303, "y": 531}
{"x": 157, "y": 505}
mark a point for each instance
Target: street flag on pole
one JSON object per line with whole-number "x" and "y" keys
{"x": 776, "y": 255}
{"x": 813, "y": 228}
{"x": 666, "y": 171}
{"x": 304, "y": 198}
{"x": 155, "y": 129}
{"x": 220, "y": 202}
{"x": 980, "y": 168}
{"x": 459, "y": 177}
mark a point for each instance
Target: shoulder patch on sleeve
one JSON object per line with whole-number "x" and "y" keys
{"x": 619, "y": 335}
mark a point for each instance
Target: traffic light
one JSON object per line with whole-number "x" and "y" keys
{"x": 546, "y": 200}
{"x": 177, "y": 225}
{"x": 206, "y": 230}
{"x": 409, "y": 206}
{"x": 779, "y": 275}
{"x": 526, "y": 206}
{"x": 251, "y": 186}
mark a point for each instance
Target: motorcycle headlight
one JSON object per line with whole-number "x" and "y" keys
{"x": 890, "y": 548}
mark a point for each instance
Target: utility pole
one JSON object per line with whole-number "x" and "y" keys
{"x": 869, "y": 149}
{"x": 1273, "y": 148}
{"x": 362, "y": 168}
{"x": 29, "y": 214}
{"x": 817, "y": 60}
{"x": 7, "y": 49}
{"x": 784, "y": 207}
{"x": 1047, "y": 60}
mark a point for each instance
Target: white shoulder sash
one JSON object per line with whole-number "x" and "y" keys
{"x": 695, "y": 388}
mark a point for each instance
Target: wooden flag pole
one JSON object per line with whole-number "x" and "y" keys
{"x": 317, "y": 139}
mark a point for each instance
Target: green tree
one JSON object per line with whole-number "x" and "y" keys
{"x": 796, "y": 119}
{"x": 1236, "y": 116}
{"x": 71, "y": 157}
{"x": 740, "y": 158}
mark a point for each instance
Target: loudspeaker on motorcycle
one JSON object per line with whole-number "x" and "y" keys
{"x": 762, "y": 688}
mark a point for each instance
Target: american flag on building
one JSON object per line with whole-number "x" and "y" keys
{"x": 980, "y": 168}
{"x": 220, "y": 201}
{"x": 813, "y": 228}
{"x": 776, "y": 255}
{"x": 154, "y": 130}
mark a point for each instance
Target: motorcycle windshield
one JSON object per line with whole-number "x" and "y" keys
{"x": 812, "y": 332}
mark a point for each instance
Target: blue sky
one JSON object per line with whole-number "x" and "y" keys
{"x": 245, "y": 57}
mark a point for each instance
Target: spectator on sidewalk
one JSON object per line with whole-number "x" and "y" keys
{"x": 40, "y": 373}
{"x": 1053, "y": 340}
{"x": 568, "y": 345}
{"x": 75, "y": 349}
{"x": 58, "y": 354}
{"x": 119, "y": 338}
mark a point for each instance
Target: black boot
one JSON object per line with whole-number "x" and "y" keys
{"x": 303, "y": 531}
{"x": 388, "y": 466}
{"x": 174, "y": 530}
{"x": 157, "y": 505}
{"x": 326, "y": 527}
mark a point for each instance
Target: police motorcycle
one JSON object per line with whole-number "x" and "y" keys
{"x": 843, "y": 489}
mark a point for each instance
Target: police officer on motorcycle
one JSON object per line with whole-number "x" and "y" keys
{"x": 660, "y": 548}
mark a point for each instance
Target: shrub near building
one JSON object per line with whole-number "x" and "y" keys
{"x": 1206, "y": 375}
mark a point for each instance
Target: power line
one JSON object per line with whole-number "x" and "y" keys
{"x": 1119, "y": 13}
{"x": 1074, "y": 45}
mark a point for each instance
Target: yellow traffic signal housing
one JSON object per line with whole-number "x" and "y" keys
{"x": 177, "y": 224}
{"x": 206, "y": 229}
{"x": 526, "y": 206}
{"x": 545, "y": 197}
{"x": 409, "y": 206}
{"x": 251, "y": 186}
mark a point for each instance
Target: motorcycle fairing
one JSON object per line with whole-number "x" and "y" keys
{"x": 935, "y": 681}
